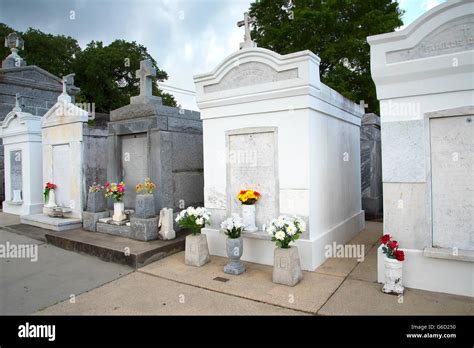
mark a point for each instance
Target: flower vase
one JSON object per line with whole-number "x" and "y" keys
{"x": 286, "y": 266}
{"x": 234, "y": 248}
{"x": 248, "y": 217}
{"x": 51, "y": 203}
{"x": 16, "y": 196}
{"x": 196, "y": 251}
{"x": 119, "y": 212}
{"x": 393, "y": 277}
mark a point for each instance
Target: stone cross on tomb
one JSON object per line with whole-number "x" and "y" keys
{"x": 17, "y": 107}
{"x": 66, "y": 80}
{"x": 363, "y": 105}
{"x": 246, "y": 22}
{"x": 146, "y": 74}
{"x": 15, "y": 43}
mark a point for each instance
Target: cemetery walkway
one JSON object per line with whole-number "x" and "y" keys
{"x": 341, "y": 286}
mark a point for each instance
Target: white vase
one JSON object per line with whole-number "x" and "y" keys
{"x": 393, "y": 276}
{"x": 51, "y": 203}
{"x": 119, "y": 212}
{"x": 16, "y": 196}
{"x": 248, "y": 217}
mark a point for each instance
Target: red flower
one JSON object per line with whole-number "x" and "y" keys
{"x": 120, "y": 189}
{"x": 399, "y": 255}
{"x": 107, "y": 184}
{"x": 393, "y": 244}
{"x": 385, "y": 238}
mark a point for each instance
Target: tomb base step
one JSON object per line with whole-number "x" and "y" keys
{"x": 116, "y": 249}
{"x": 50, "y": 223}
{"x": 115, "y": 230}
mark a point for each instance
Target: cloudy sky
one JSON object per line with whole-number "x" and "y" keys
{"x": 186, "y": 37}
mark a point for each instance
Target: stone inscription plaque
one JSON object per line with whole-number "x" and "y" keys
{"x": 452, "y": 176}
{"x": 252, "y": 165}
{"x": 62, "y": 174}
{"x": 16, "y": 174}
{"x": 252, "y": 73}
{"x": 134, "y": 165}
{"x": 455, "y": 36}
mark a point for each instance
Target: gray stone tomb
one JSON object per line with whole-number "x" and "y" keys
{"x": 148, "y": 139}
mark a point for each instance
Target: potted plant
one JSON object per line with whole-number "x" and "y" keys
{"x": 233, "y": 228}
{"x": 286, "y": 262}
{"x": 116, "y": 191}
{"x": 248, "y": 198}
{"x": 96, "y": 199}
{"x": 393, "y": 265}
{"x": 49, "y": 195}
{"x": 196, "y": 249}
{"x": 145, "y": 201}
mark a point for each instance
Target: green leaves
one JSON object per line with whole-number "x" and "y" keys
{"x": 105, "y": 74}
{"x": 336, "y": 30}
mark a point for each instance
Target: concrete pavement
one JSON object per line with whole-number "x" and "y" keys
{"x": 26, "y": 286}
{"x": 341, "y": 286}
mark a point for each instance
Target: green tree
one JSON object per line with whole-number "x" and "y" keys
{"x": 53, "y": 53}
{"x": 105, "y": 74}
{"x": 335, "y": 30}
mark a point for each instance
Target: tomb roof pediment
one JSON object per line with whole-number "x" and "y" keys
{"x": 438, "y": 45}
{"x": 64, "y": 112}
{"x": 17, "y": 122}
{"x": 34, "y": 76}
{"x": 259, "y": 69}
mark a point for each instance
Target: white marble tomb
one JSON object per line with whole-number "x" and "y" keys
{"x": 424, "y": 76}
{"x": 269, "y": 124}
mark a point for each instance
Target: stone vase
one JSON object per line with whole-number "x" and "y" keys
{"x": 51, "y": 203}
{"x": 119, "y": 212}
{"x": 196, "y": 250}
{"x": 286, "y": 266}
{"x": 234, "y": 248}
{"x": 96, "y": 202}
{"x": 16, "y": 196}
{"x": 393, "y": 277}
{"x": 248, "y": 217}
{"x": 145, "y": 206}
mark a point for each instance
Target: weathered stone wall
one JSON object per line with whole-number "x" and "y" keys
{"x": 371, "y": 166}
{"x": 95, "y": 156}
{"x": 163, "y": 143}
{"x": 39, "y": 90}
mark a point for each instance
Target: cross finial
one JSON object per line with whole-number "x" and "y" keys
{"x": 246, "y": 22}
{"x": 146, "y": 74}
{"x": 17, "y": 107}
{"x": 14, "y": 42}
{"x": 363, "y": 105}
{"x": 68, "y": 79}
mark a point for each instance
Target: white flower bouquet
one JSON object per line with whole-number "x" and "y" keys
{"x": 233, "y": 226}
{"x": 194, "y": 219}
{"x": 285, "y": 230}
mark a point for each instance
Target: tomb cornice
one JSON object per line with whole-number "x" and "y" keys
{"x": 277, "y": 61}
{"x": 435, "y": 54}
{"x": 27, "y": 82}
{"x": 64, "y": 112}
{"x": 419, "y": 24}
{"x": 257, "y": 71}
